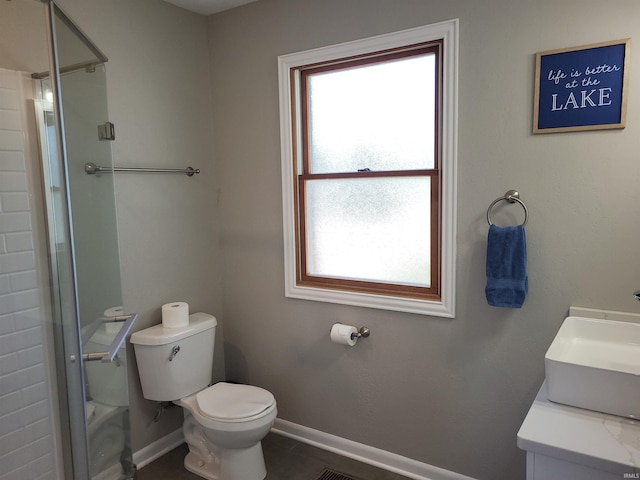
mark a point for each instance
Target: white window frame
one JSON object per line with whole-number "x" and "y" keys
{"x": 289, "y": 90}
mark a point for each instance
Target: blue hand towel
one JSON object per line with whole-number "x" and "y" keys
{"x": 507, "y": 281}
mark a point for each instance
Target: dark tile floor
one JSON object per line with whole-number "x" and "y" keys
{"x": 286, "y": 459}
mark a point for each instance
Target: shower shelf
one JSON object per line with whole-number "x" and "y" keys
{"x": 92, "y": 168}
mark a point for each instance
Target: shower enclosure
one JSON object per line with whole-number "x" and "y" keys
{"x": 63, "y": 382}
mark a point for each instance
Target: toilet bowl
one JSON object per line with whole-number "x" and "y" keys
{"x": 224, "y": 423}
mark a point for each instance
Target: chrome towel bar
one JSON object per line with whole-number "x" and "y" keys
{"x": 512, "y": 196}
{"x": 92, "y": 168}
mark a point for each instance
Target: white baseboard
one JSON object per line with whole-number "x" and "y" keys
{"x": 148, "y": 454}
{"x": 347, "y": 448}
{"x": 364, "y": 453}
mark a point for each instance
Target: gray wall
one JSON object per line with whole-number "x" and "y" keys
{"x": 158, "y": 85}
{"x": 451, "y": 393}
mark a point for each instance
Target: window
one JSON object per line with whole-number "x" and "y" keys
{"x": 368, "y": 145}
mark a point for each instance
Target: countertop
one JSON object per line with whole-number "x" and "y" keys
{"x": 597, "y": 440}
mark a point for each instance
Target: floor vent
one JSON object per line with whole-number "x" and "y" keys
{"x": 329, "y": 474}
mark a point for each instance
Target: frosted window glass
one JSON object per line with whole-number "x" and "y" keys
{"x": 372, "y": 229}
{"x": 379, "y": 117}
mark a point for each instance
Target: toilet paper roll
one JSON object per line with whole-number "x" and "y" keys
{"x": 341, "y": 334}
{"x": 175, "y": 315}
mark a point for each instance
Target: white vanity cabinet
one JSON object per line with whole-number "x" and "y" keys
{"x": 566, "y": 443}
{"x": 543, "y": 467}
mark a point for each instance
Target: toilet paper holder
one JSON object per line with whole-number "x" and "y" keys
{"x": 363, "y": 332}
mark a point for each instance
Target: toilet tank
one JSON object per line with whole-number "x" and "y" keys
{"x": 175, "y": 362}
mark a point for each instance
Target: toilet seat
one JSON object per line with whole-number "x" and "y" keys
{"x": 226, "y": 402}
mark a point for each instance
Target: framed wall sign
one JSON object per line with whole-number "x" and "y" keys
{"x": 581, "y": 88}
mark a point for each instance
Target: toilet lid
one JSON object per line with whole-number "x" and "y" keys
{"x": 228, "y": 401}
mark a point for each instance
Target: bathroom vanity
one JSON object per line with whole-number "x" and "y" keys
{"x": 565, "y": 443}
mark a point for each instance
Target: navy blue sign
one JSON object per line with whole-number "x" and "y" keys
{"x": 582, "y": 88}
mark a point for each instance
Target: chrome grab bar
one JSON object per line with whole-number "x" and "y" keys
{"x": 110, "y": 356}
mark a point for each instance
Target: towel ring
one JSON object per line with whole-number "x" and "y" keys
{"x": 512, "y": 196}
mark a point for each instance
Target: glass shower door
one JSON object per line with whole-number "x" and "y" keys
{"x": 83, "y": 245}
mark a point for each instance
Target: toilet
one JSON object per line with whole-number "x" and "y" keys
{"x": 224, "y": 423}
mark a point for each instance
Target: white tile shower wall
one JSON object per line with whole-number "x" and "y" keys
{"x": 26, "y": 440}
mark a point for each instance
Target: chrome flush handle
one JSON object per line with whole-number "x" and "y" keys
{"x": 174, "y": 352}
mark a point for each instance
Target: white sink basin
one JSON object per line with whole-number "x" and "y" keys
{"x": 595, "y": 364}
